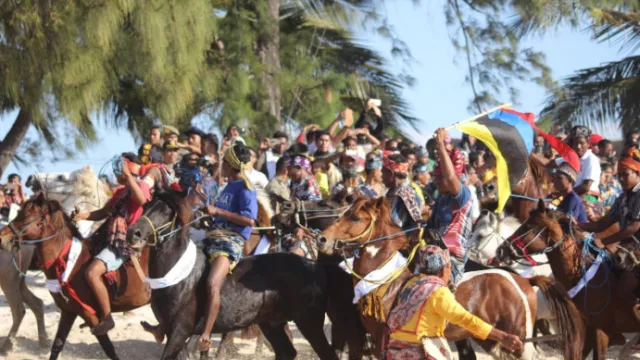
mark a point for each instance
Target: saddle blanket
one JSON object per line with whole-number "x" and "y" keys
{"x": 53, "y": 285}
{"x": 593, "y": 269}
{"x": 374, "y": 279}
{"x": 179, "y": 271}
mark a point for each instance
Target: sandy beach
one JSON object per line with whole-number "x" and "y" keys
{"x": 131, "y": 342}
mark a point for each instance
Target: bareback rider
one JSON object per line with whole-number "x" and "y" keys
{"x": 424, "y": 307}
{"x": 122, "y": 210}
{"x": 625, "y": 211}
{"x": 451, "y": 216}
{"x": 235, "y": 213}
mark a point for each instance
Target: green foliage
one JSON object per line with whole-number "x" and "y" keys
{"x": 493, "y": 53}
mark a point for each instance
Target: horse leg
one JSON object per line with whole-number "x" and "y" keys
{"x": 176, "y": 341}
{"x": 64, "y": 326}
{"x": 13, "y": 295}
{"x": 312, "y": 328}
{"x": 602, "y": 342}
{"x": 277, "y": 337}
{"x": 37, "y": 307}
{"x": 107, "y": 346}
{"x": 465, "y": 350}
{"x": 226, "y": 340}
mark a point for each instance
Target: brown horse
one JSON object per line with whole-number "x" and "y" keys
{"x": 505, "y": 300}
{"x": 43, "y": 222}
{"x": 536, "y": 184}
{"x": 550, "y": 232}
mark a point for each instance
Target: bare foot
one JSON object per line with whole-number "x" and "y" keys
{"x": 103, "y": 326}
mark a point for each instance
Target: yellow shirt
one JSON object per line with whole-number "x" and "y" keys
{"x": 430, "y": 321}
{"x": 323, "y": 183}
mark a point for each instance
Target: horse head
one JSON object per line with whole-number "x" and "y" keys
{"x": 367, "y": 219}
{"x": 81, "y": 188}
{"x": 311, "y": 214}
{"x": 540, "y": 233}
{"x": 38, "y": 219}
{"x": 162, "y": 215}
{"x": 627, "y": 255}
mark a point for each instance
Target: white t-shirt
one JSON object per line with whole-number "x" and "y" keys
{"x": 589, "y": 170}
{"x": 257, "y": 179}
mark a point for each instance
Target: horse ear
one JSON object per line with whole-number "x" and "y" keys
{"x": 40, "y": 198}
{"x": 380, "y": 202}
{"x": 541, "y": 206}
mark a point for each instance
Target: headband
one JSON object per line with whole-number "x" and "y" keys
{"x": 567, "y": 170}
{"x": 396, "y": 167}
{"x": 373, "y": 163}
{"x": 232, "y": 159}
{"x": 350, "y": 171}
{"x": 631, "y": 159}
{"x": 420, "y": 168}
{"x": 301, "y": 161}
{"x": 434, "y": 258}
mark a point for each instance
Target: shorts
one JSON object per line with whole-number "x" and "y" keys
{"x": 111, "y": 261}
{"x": 230, "y": 245}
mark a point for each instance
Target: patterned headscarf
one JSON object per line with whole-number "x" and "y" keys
{"x": 456, "y": 159}
{"x": 567, "y": 170}
{"x": 301, "y": 161}
{"x": 432, "y": 259}
{"x": 396, "y": 167}
{"x": 631, "y": 159}
{"x": 232, "y": 159}
{"x": 579, "y": 131}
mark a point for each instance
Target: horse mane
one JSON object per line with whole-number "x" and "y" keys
{"x": 381, "y": 207}
{"x": 59, "y": 219}
{"x": 178, "y": 202}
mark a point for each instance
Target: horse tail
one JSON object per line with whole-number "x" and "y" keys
{"x": 570, "y": 322}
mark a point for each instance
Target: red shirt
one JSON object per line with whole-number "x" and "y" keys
{"x": 135, "y": 210}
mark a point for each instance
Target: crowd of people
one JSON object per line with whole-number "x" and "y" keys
{"x": 439, "y": 184}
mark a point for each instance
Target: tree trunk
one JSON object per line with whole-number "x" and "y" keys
{"x": 269, "y": 54}
{"x": 14, "y": 138}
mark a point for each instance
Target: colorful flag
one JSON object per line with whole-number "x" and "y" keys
{"x": 510, "y": 138}
{"x": 564, "y": 150}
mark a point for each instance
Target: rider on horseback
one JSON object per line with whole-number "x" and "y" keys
{"x": 123, "y": 209}
{"x": 564, "y": 180}
{"x": 626, "y": 211}
{"x": 425, "y": 305}
{"x": 235, "y": 213}
{"x": 452, "y": 210}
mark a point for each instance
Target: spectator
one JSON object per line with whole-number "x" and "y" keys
{"x": 170, "y": 155}
{"x": 210, "y": 153}
{"x": 271, "y": 150}
{"x": 194, "y": 140}
{"x": 232, "y": 135}
{"x": 410, "y": 154}
{"x": 610, "y": 188}
{"x": 320, "y": 168}
{"x": 303, "y": 184}
{"x": 369, "y": 115}
{"x": 538, "y": 144}
{"x": 152, "y": 150}
{"x": 391, "y": 145}
{"x": 257, "y": 179}
{"x": 278, "y": 188}
{"x": 14, "y": 193}
{"x": 170, "y": 133}
{"x": 607, "y": 152}
{"x": 431, "y": 149}
{"x": 350, "y": 175}
{"x": 631, "y": 139}
{"x": 372, "y": 187}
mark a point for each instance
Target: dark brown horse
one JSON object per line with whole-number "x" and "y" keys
{"x": 513, "y": 310}
{"x": 550, "y": 232}
{"x": 536, "y": 184}
{"x": 44, "y": 223}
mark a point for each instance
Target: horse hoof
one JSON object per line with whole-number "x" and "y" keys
{"x": 44, "y": 342}
{"x": 6, "y": 347}
{"x": 156, "y": 331}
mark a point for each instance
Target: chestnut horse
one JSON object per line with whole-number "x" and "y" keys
{"x": 505, "y": 300}
{"x": 549, "y": 232}
{"x": 43, "y": 223}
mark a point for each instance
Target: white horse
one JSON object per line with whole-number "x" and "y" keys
{"x": 80, "y": 189}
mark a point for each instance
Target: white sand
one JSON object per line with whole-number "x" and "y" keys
{"x": 130, "y": 341}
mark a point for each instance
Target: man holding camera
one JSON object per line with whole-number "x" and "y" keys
{"x": 271, "y": 150}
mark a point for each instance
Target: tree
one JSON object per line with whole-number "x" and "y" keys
{"x": 62, "y": 61}
{"x": 604, "y": 93}
{"x": 494, "y": 56}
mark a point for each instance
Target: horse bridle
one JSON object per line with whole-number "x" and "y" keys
{"x": 512, "y": 240}
{"x": 300, "y": 208}
{"x": 157, "y": 230}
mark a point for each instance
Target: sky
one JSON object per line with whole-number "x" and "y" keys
{"x": 439, "y": 98}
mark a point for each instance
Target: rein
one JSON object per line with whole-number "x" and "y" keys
{"x": 159, "y": 228}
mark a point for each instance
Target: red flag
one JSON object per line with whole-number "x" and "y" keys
{"x": 568, "y": 154}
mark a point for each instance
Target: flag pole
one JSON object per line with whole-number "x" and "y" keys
{"x": 475, "y": 117}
